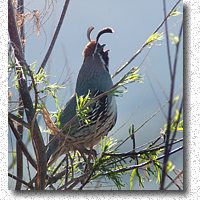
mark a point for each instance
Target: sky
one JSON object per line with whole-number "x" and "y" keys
{"x": 133, "y": 22}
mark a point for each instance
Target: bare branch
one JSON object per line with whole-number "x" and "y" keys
{"x": 167, "y": 38}
{"x": 38, "y": 142}
{"x": 170, "y": 108}
{"x": 19, "y": 155}
{"x": 20, "y": 180}
{"x": 44, "y": 62}
{"x": 120, "y": 69}
{"x": 173, "y": 181}
{"x": 21, "y": 144}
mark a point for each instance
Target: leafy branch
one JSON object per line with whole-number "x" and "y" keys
{"x": 154, "y": 36}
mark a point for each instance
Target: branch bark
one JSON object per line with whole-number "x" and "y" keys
{"x": 37, "y": 139}
{"x": 21, "y": 144}
{"x": 19, "y": 155}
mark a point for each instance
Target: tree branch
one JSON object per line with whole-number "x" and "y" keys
{"x": 167, "y": 39}
{"x": 19, "y": 155}
{"x": 20, "y": 180}
{"x": 120, "y": 69}
{"x": 21, "y": 144}
{"x": 142, "y": 164}
{"x": 37, "y": 139}
{"x": 170, "y": 108}
{"x": 44, "y": 62}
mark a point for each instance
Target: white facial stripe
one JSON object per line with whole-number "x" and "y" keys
{"x": 102, "y": 60}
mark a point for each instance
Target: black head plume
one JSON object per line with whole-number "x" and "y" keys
{"x": 104, "y": 30}
{"x": 90, "y": 29}
{"x": 93, "y": 46}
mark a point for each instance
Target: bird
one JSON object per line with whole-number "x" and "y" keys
{"x": 93, "y": 79}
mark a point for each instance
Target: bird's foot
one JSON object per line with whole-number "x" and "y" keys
{"x": 92, "y": 154}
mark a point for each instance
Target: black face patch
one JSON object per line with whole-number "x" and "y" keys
{"x": 103, "y": 54}
{"x": 105, "y": 57}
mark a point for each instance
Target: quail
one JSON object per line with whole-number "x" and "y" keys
{"x": 93, "y": 79}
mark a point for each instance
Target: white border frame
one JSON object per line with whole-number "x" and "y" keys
{"x": 191, "y": 110}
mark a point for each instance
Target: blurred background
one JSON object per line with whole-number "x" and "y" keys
{"x": 133, "y": 22}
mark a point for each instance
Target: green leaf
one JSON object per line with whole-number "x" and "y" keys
{"x": 158, "y": 170}
{"x": 153, "y": 38}
{"x": 107, "y": 144}
{"x": 131, "y": 76}
{"x": 170, "y": 166}
{"x": 140, "y": 179}
{"x": 116, "y": 178}
{"x": 175, "y": 13}
{"x": 174, "y": 39}
{"x": 13, "y": 163}
{"x": 133, "y": 173}
{"x": 119, "y": 93}
{"x": 81, "y": 110}
{"x": 180, "y": 126}
{"x": 40, "y": 76}
{"x": 176, "y": 99}
{"x": 174, "y": 125}
{"x": 175, "y": 121}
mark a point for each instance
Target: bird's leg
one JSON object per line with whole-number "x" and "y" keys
{"x": 91, "y": 154}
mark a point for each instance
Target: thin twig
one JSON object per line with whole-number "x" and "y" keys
{"x": 19, "y": 155}
{"x": 177, "y": 123}
{"x": 144, "y": 45}
{"x": 174, "y": 180}
{"x": 28, "y": 169}
{"x": 167, "y": 39}
{"x": 144, "y": 123}
{"x": 54, "y": 36}
{"x": 88, "y": 178}
{"x": 18, "y": 120}
{"x": 66, "y": 171}
{"x": 133, "y": 152}
{"x": 142, "y": 164}
{"x": 74, "y": 181}
{"x": 58, "y": 166}
{"x": 157, "y": 99}
{"x": 168, "y": 176}
{"x": 55, "y": 178}
{"x": 20, "y": 180}
{"x": 37, "y": 139}
{"x": 21, "y": 144}
{"x": 169, "y": 119}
